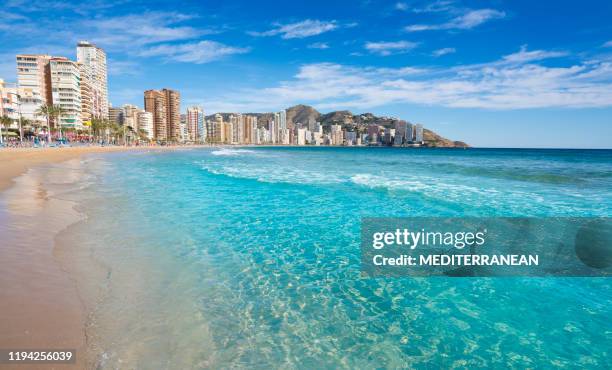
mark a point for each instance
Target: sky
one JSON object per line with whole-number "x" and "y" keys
{"x": 490, "y": 73}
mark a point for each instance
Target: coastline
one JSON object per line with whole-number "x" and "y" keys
{"x": 34, "y": 212}
{"x": 16, "y": 161}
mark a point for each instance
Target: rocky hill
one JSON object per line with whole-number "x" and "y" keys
{"x": 302, "y": 114}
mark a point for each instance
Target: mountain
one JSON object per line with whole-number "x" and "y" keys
{"x": 302, "y": 114}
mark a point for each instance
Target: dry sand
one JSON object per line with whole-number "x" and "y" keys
{"x": 40, "y": 307}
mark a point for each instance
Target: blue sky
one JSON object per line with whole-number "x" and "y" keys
{"x": 491, "y": 73}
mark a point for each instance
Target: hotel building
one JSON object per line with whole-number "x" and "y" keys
{"x": 196, "y": 129}
{"x": 93, "y": 59}
{"x": 165, "y": 106}
{"x": 418, "y": 133}
{"x": 32, "y": 79}
{"x": 145, "y": 123}
{"x": 9, "y": 101}
{"x": 65, "y": 91}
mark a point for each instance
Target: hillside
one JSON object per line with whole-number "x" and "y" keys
{"x": 303, "y": 114}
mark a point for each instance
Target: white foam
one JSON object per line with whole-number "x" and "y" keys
{"x": 232, "y": 152}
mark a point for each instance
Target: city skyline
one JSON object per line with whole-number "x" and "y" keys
{"x": 471, "y": 71}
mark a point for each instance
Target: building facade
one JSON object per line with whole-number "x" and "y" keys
{"x": 165, "y": 107}
{"x": 32, "y": 79}
{"x": 9, "y": 101}
{"x": 65, "y": 91}
{"x": 93, "y": 59}
{"x": 196, "y": 129}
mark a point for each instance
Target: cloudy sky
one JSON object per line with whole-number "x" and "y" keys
{"x": 491, "y": 73}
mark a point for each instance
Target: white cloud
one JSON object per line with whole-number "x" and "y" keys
{"x": 499, "y": 85}
{"x": 306, "y": 28}
{"x": 528, "y": 56}
{"x": 318, "y": 45}
{"x": 141, "y": 29}
{"x": 469, "y": 20}
{"x": 608, "y": 44}
{"x": 197, "y": 52}
{"x": 443, "y": 51}
{"x": 435, "y": 7}
{"x": 401, "y": 6}
{"x": 389, "y": 47}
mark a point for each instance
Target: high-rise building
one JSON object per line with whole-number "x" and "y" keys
{"x": 173, "y": 111}
{"x": 336, "y": 135}
{"x": 145, "y": 123}
{"x": 218, "y": 133}
{"x": 155, "y": 103}
{"x": 350, "y": 137}
{"x": 237, "y": 128}
{"x": 9, "y": 100}
{"x": 183, "y": 133}
{"x": 86, "y": 93}
{"x": 400, "y": 132}
{"x": 282, "y": 120}
{"x": 165, "y": 106}
{"x": 301, "y": 136}
{"x": 65, "y": 90}
{"x": 418, "y": 133}
{"x": 129, "y": 116}
{"x": 273, "y": 128}
{"x": 32, "y": 79}
{"x": 115, "y": 115}
{"x": 409, "y": 132}
{"x": 195, "y": 124}
{"x": 94, "y": 60}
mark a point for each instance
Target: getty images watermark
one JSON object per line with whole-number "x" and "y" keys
{"x": 499, "y": 246}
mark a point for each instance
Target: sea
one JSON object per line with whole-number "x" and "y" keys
{"x": 249, "y": 257}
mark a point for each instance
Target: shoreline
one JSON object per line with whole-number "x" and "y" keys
{"x": 39, "y": 288}
{"x": 17, "y": 161}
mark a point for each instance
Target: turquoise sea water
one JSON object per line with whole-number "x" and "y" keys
{"x": 249, "y": 257}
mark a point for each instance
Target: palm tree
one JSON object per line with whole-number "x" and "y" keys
{"x": 51, "y": 113}
{"x": 5, "y": 121}
{"x": 98, "y": 126}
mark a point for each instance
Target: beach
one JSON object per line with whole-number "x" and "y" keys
{"x": 248, "y": 257}
{"x": 39, "y": 301}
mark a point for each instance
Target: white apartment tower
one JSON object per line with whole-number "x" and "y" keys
{"x": 145, "y": 122}
{"x": 65, "y": 82}
{"x": 94, "y": 58}
{"x": 32, "y": 72}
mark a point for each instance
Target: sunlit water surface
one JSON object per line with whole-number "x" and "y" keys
{"x": 249, "y": 257}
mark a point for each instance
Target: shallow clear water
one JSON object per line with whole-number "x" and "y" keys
{"x": 250, "y": 258}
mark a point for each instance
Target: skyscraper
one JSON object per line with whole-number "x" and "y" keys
{"x": 173, "y": 111}
{"x": 154, "y": 103}
{"x": 65, "y": 90}
{"x": 165, "y": 106}
{"x": 195, "y": 124}
{"x": 86, "y": 93}
{"x": 94, "y": 59}
{"x": 418, "y": 133}
{"x": 32, "y": 79}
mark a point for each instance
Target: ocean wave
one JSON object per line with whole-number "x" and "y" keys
{"x": 269, "y": 174}
{"x": 230, "y": 152}
{"x": 380, "y": 182}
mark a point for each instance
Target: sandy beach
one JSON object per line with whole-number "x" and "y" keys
{"x": 40, "y": 306}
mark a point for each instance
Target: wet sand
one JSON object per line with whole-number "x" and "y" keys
{"x": 40, "y": 306}
{"x": 14, "y": 162}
